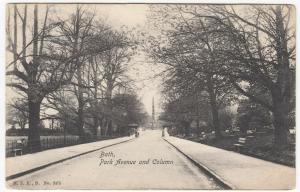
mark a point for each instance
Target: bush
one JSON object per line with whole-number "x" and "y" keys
{"x": 252, "y": 116}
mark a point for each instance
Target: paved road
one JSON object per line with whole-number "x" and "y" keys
{"x": 147, "y": 162}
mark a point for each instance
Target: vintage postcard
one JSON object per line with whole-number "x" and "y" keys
{"x": 150, "y": 96}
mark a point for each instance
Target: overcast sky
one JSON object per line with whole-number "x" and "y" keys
{"x": 142, "y": 71}
{"x": 116, "y": 15}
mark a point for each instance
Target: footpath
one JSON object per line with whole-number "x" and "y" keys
{"x": 21, "y": 165}
{"x": 234, "y": 170}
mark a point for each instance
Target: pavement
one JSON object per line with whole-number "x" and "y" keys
{"x": 146, "y": 162}
{"x": 20, "y": 165}
{"x": 236, "y": 170}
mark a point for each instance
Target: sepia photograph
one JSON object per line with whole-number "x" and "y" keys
{"x": 150, "y": 96}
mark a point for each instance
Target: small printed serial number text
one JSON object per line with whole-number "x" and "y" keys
{"x": 35, "y": 183}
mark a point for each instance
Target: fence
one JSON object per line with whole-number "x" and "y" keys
{"x": 47, "y": 142}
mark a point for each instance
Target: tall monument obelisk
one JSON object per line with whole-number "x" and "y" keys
{"x": 153, "y": 114}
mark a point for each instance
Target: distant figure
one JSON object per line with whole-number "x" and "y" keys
{"x": 163, "y": 132}
{"x": 136, "y": 133}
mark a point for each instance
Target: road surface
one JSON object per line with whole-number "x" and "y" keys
{"x": 147, "y": 162}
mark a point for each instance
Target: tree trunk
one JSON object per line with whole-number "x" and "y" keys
{"x": 80, "y": 102}
{"x": 187, "y": 128}
{"x": 80, "y": 121}
{"x": 106, "y": 128}
{"x": 214, "y": 109}
{"x": 216, "y": 121}
{"x": 109, "y": 105}
{"x": 96, "y": 125}
{"x": 198, "y": 126}
{"x": 34, "y": 143}
{"x": 198, "y": 132}
{"x": 101, "y": 123}
{"x": 34, "y": 99}
{"x": 22, "y": 125}
{"x": 15, "y": 36}
{"x": 281, "y": 92}
{"x": 109, "y": 128}
{"x": 24, "y": 23}
{"x": 280, "y": 121}
{"x": 280, "y": 132}
{"x": 79, "y": 76}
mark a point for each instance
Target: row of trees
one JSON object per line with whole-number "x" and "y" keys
{"x": 76, "y": 66}
{"x": 216, "y": 55}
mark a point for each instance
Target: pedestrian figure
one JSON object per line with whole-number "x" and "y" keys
{"x": 136, "y": 133}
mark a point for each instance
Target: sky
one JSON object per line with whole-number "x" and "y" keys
{"x": 134, "y": 16}
{"x": 117, "y": 15}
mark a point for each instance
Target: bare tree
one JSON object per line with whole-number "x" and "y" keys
{"x": 18, "y": 113}
{"x": 189, "y": 51}
{"x": 242, "y": 48}
{"x": 47, "y": 68}
{"x": 263, "y": 53}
